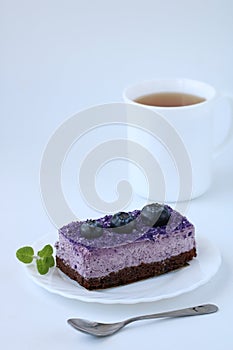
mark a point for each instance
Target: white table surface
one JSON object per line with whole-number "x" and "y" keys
{"x": 58, "y": 57}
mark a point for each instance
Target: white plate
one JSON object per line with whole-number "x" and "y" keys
{"x": 172, "y": 284}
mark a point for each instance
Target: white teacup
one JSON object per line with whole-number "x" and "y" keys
{"x": 192, "y": 123}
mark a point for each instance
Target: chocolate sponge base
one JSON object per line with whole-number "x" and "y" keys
{"x": 128, "y": 274}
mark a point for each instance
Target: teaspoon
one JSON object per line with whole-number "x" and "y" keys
{"x": 103, "y": 329}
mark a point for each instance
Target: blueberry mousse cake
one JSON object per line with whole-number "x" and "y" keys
{"x": 125, "y": 247}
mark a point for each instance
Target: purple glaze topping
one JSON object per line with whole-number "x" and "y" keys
{"x": 110, "y": 238}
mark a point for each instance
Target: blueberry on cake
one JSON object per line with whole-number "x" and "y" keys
{"x": 125, "y": 247}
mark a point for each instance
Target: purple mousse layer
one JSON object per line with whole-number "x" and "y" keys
{"x": 114, "y": 251}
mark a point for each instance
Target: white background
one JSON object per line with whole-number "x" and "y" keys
{"x": 58, "y": 57}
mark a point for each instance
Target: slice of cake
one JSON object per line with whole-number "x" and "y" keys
{"x": 125, "y": 247}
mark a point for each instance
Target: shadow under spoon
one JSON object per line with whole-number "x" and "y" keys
{"x": 104, "y": 329}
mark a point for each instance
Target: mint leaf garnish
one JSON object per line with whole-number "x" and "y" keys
{"x": 47, "y": 251}
{"x": 25, "y": 254}
{"x": 49, "y": 260}
{"x": 44, "y": 258}
{"x": 42, "y": 266}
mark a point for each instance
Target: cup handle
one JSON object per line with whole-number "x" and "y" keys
{"x": 229, "y": 134}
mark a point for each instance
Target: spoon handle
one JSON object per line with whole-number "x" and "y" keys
{"x": 190, "y": 311}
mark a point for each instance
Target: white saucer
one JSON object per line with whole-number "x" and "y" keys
{"x": 199, "y": 272}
